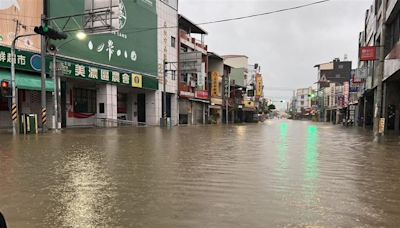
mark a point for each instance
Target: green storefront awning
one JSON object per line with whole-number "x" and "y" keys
{"x": 27, "y": 81}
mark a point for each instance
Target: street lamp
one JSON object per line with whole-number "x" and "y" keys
{"x": 54, "y": 49}
{"x": 81, "y": 35}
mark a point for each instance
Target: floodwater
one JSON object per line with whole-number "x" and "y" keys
{"x": 279, "y": 173}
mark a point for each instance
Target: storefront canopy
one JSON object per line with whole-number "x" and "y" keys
{"x": 27, "y": 81}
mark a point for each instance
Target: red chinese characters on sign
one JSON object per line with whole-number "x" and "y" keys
{"x": 201, "y": 94}
{"x": 368, "y": 53}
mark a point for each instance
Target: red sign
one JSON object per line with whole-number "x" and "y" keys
{"x": 368, "y": 53}
{"x": 201, "y": 94}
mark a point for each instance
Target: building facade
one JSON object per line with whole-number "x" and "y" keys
{"x": 105, "y": 79}
{"x": 382, "y": 18}
{"x": 332, "y": 89}
{"x": 193, "y": 65}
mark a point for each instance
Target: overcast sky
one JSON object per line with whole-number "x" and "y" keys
{"x": 287, "y": 45}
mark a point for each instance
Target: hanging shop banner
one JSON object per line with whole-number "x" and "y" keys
{"x": 368, "y": 53}
{"x": 259, "y": 86}
{"x": 201, "y": 79}
{"x": 346, "y": 93}
{"x": 201, "y": 94}
{"x": 227, "y": 87}
{"x": 215, "y": 77}
{"x": 137, "y": 80}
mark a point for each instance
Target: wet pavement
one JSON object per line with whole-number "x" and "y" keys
{"x": 279, "y": 173}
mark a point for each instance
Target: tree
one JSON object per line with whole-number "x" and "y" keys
{"x": 271, "y": 107}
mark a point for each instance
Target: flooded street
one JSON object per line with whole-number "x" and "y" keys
{"x": 279, "y": 173}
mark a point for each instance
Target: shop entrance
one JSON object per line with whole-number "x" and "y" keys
{"x": 122, "y": 106}
{"x": 141, "y": 108}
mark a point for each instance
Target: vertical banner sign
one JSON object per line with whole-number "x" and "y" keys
{"x": 215, "y": 84}
{"x": 346, "y": 92}
{"x": 137, "y": 81}
{"x": 259, "y": 86}
{"x": 381, "y": 125}
{"x": 226, "y": 89}
{"x": 226, "y": 86}
{"x": 201, "y": 77}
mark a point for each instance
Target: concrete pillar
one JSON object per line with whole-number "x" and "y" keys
{"x": 132, "y": 107}
{"x": 107, "y": 96}
{"x": 385, "y": 102}
{"x": 204, "y": 113}
{"x": 364, "y": 112}
{"x": 174, "y": 110}
{"x": 153, "y": 107}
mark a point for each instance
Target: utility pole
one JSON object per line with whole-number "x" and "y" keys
{"x": 164, "y": 94}
{"x": 14, "y": 110}
{"x": 379, "y": 95}
{"x": 43, "y": 74}
{"x": 55, "y": 94}
{"x": 14, "y": 100}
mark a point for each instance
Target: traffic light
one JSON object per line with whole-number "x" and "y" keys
{"x": 50, "y": 33}
{"x": 5, "y": 88}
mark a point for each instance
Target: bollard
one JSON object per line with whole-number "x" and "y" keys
{"x": 2, "y": 221}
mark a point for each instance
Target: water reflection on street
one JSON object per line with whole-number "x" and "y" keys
{"x": 279, "y": 173}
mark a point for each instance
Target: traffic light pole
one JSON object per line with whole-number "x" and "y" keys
{"x": 43, "y": 76}
{"x": 13, "y": 84}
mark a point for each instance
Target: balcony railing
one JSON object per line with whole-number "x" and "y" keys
{"x": 196, "y": 43}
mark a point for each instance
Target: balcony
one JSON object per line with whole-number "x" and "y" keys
{"x": 192, "y": 42}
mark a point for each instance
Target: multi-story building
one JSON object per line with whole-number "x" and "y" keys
{"x": 387, "y": 13}
{"x": 303, "y": 100}
{"x": 168, "y": 51}
{"x": 333, "y": 74}
{"x": 217, "y": 73}
{"x": 193, "y": 65}
{"x": 244, "y": 78}
{"x": 106, "y": 77}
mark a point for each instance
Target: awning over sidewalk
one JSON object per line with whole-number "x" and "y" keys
{"x": 199, "y": 100}
{"x": 27, "y": 81}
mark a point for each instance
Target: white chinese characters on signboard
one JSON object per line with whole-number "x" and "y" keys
{"x": 115, "y": 77}
{"x": 112, "y": 50}
{"x": 93, "y": 73}
{"x": 18, "y": 59}
{"x": 80, "y": 70}
{"x": 105, "y": 75}
{"x": 125, "y": 78}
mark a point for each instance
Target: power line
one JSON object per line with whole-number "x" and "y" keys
{"x": 236, "y": 18}
{"x": 263, "y": 14}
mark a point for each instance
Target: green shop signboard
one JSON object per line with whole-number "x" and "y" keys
{"x": 29, "y": 61}
{"x": 133, "y": 47}
{"x": 24, "y": 60}
{"x": 91, "y": 72}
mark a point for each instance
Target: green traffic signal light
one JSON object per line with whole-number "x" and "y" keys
{"x": 50, "y": 33}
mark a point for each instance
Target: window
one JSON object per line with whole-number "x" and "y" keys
{"x": 302, "y": 96}
{"x": 173, "y": 41}
{"x": 84, "y": 100}
{"x": 302, "y": 103}
{"x": 393, "y": 33}
{"x": 337, "y": 75}
{"x": 340, "y": 66}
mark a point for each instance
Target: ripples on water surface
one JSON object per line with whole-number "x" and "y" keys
{"x": 274, "y": 174}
